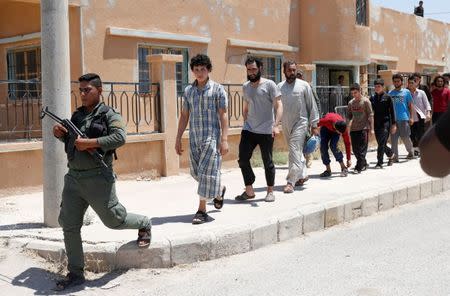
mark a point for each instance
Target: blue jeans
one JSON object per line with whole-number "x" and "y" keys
{"x": 329, "y": 139}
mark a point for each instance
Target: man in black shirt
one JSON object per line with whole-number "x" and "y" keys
{"x": 419, "y": 9}
{"x": 384, "y": 122}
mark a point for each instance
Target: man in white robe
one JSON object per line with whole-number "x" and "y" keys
{"x": 300, "y": 117}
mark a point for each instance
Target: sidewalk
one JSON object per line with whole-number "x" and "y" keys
{"x": 237, "y": 228}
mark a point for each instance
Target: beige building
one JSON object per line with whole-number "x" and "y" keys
{"x": 114, "y": 37}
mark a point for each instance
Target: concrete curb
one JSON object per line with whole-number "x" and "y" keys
{"x": 226, "y": 241}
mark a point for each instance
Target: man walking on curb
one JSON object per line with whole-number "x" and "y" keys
{"x": 300, "y": 114}
{"x": 403, "y": 114}
{"x": 205, "y": 108}
{"x": 360, "y": 115}
{"x": 384, "y": 122}
{"x": 421, "y": 114}
{"x": 332, "y": 126}
{"x": 261, "y": 98}
{"x": 87, "y": 182}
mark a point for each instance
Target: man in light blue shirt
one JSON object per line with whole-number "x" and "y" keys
{"x": 404, "y": 109}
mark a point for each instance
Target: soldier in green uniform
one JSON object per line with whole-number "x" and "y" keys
{"x": 88, "y": 183}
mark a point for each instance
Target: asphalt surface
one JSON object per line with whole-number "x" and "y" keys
{"x": 404, "y": 251}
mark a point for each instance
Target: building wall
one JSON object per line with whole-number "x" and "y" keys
{"x": 17, "y": 18}
{"x": 409, "y": 38}
{"x": 328, "y": 32}
{"x": 116, "y": 57}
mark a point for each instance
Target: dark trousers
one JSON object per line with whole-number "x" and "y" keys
{"x": 329, "y": 139}
{"x": 359, "y": 146}
{"x": 382, "y": 136}
{"x": 417, "y": 131}
{"x": 435, "y": 116}
{"x": 248, "y": 143}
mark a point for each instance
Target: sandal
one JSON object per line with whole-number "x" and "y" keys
{"x": 288, "y": 188}
{"x": 71, "y": 280}
{"x": 200, "y": 218}
{"x": 301, "y": 182}
{"x": 244, "y": 196}
{"x": 218, "y": 203}
{"x": 144, "y": 237}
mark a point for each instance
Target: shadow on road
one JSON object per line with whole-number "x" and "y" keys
{"x": 43, "y": 281}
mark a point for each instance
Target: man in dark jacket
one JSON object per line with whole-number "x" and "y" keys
{"x": 384, "y": 122}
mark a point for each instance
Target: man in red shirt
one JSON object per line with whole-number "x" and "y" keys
{"x": 332, "y": 125}
{"x": 441, "y": 98}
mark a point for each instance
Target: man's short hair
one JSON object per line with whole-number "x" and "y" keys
{"x": 355, "y": 86}
{"x": 251, "y": 59}
{"x": 411, "y": 77}
{"x": 92, "y": 78}
{"x": 201, "y": 60}
{"x": 288, "y": 63}
{"x": 341, "y": 77}
{"x": 378, "y": 81}
{"x": 397, "y": 76}
{"x": 446, "y": 74}
{"x": 417, "y": 75}
{"x": 340, "y": 126}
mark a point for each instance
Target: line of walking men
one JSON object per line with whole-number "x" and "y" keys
{"x": 292, "y": 103}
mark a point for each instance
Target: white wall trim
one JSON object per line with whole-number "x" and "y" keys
{"x": 264, "y": 53}
{"x": 379, "y": 57}
{"x": 261, "y": 45}
{"x": 430, "y": 63}
{"x": 342, "y": 63}
{"x": 114, "y": 31}
{"x": 18, "y": 38}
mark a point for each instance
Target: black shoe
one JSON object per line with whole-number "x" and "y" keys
{"x": 325, "y": 174}
{"x": 416, "y": 153}
{"x": 71, "y": 280}
{"x": 200, "y": 218}
{"x": 144, "y": 237}
{"x": 356, "y": 171}
{"x": 391, "y": 160}
{"x": 218, "y": 201}
{"x": 379, "y": 166}
{"x": 364, "y": 167}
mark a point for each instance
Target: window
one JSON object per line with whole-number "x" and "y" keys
{"x": 181, "y": 69}
{"x": 361, "y": 12}
{"x": 24, "y": 64}
{"x": 271, "y": 67}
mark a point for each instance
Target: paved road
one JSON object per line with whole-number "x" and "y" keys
{"x": 404, "y": 251}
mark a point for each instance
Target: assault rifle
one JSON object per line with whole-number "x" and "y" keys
{"x": 73, "y": 134}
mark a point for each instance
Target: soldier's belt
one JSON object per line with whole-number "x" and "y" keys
{"x": 89, "y": 173}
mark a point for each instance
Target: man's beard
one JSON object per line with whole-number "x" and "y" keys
{"x": 255, "y": 78}
{"x": 290, "y": 78}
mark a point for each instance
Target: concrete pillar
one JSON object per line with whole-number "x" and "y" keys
{"x": 309, "y": 72}
{"x": 56, "y": 96}
{"x": 386, "y": 75}
{"x": 163, "y": 72}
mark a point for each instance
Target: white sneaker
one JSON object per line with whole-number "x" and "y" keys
{"x": 270, "y": 197}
